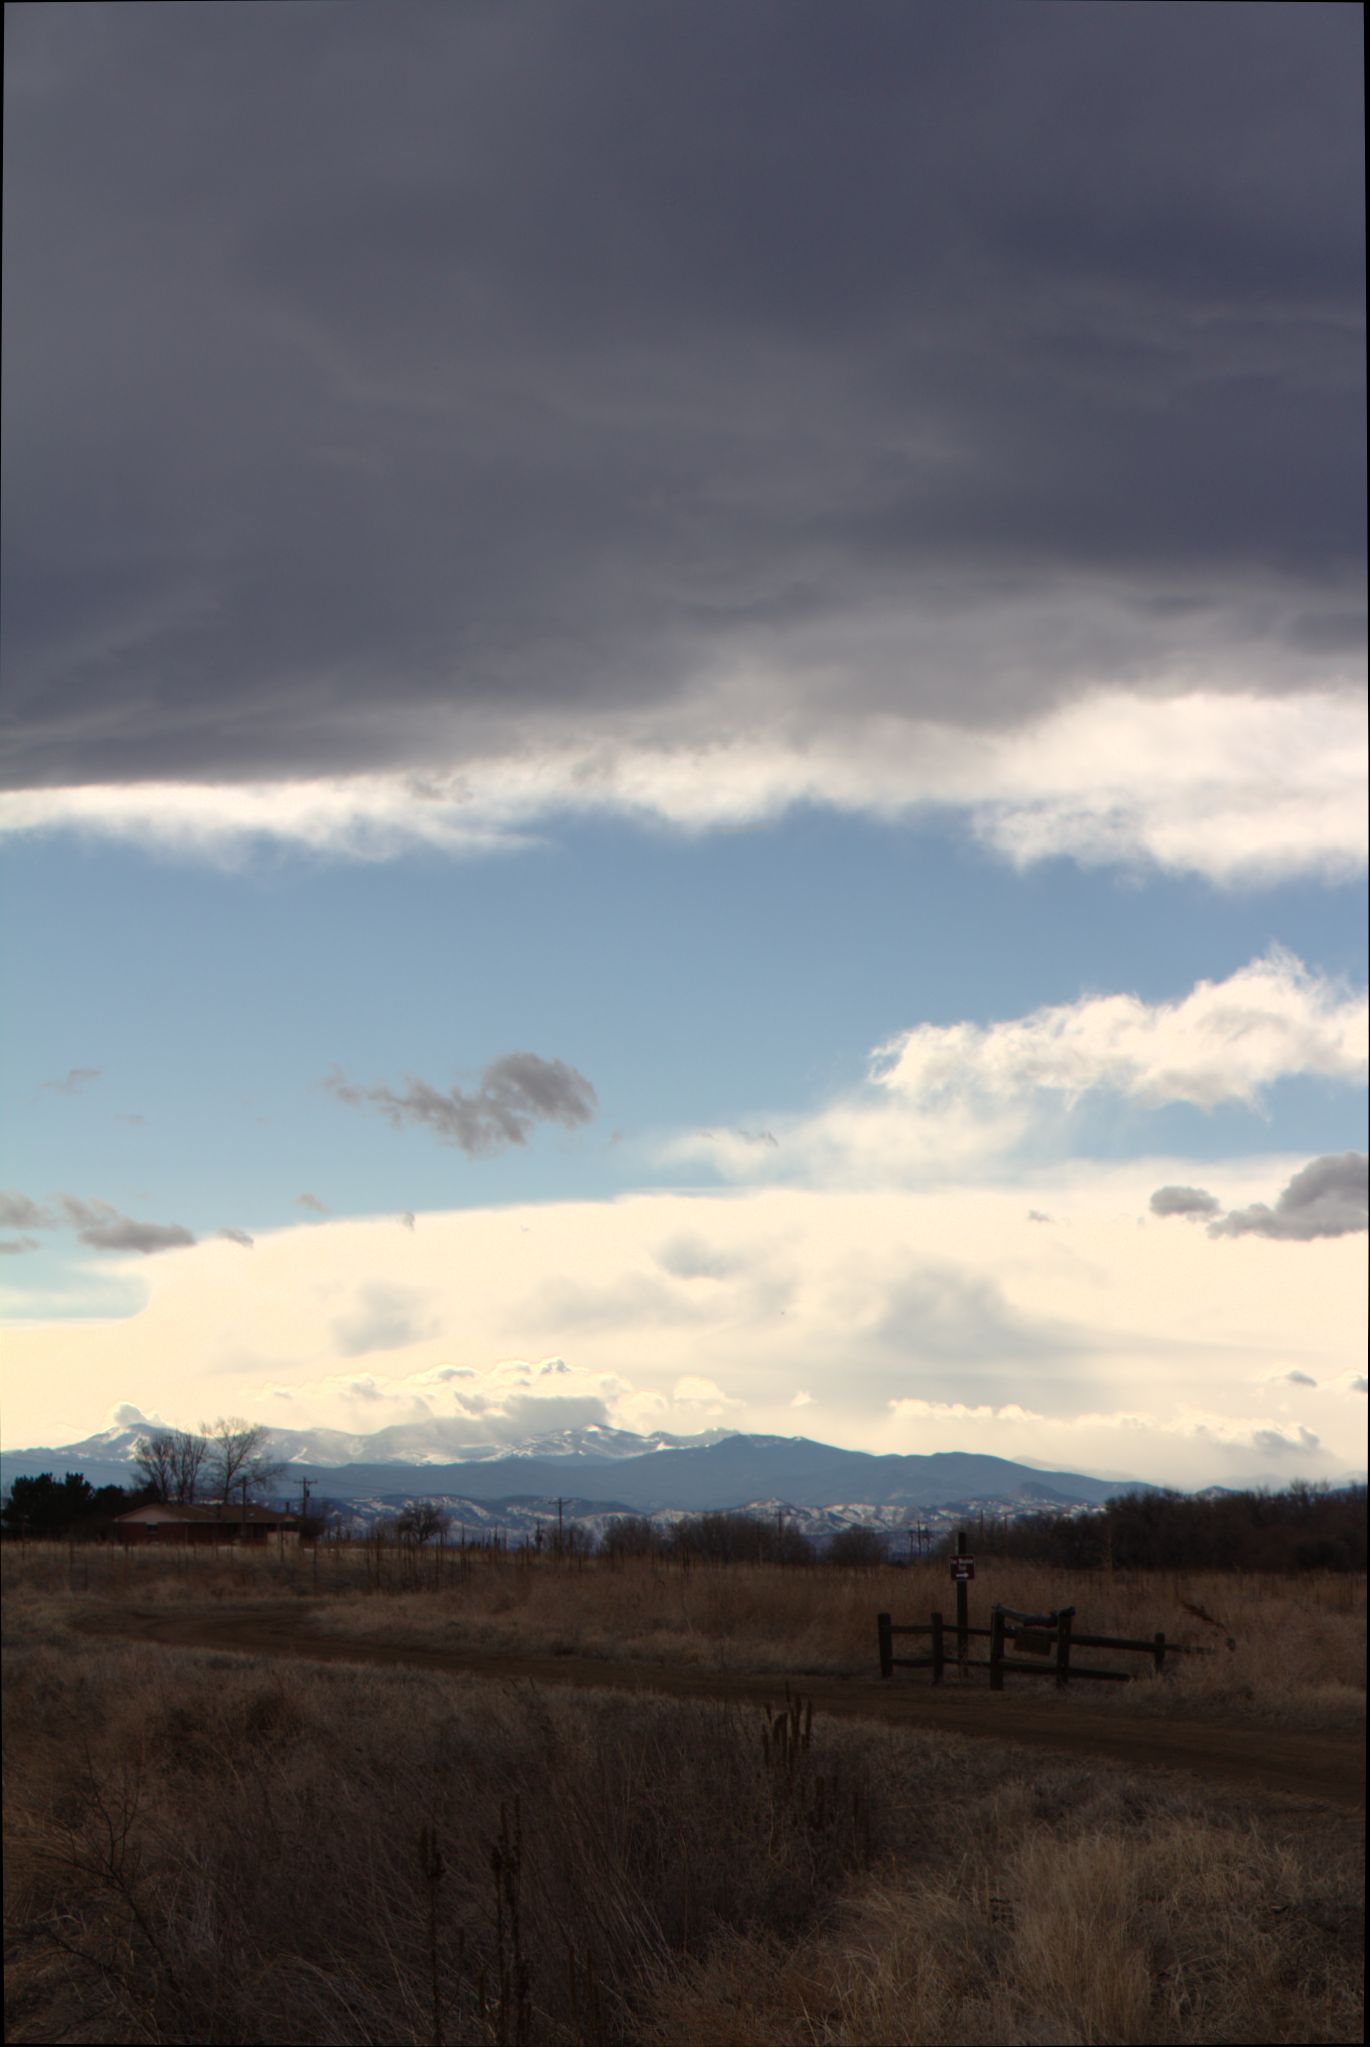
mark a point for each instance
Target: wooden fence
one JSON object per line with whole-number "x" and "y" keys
{"x": 1044, "y": 1643}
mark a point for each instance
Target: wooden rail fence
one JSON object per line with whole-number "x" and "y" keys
{"x": 1049, "y": 1638}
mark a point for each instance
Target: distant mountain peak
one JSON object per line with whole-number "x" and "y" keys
{"x": 656, "y": 1472}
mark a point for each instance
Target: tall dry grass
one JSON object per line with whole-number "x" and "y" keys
{"x": 1298, "y": 1662}
{"x": 1172, "y": 1930}
{"x": 205, "y": 1848}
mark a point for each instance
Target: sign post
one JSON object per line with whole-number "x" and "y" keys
{"x": 962, "y": 1571}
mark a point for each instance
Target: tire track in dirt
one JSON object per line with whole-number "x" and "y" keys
{"x": 1329, "y": 1768}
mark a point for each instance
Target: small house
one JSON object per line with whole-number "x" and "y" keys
{"x": 165, "y": 1522}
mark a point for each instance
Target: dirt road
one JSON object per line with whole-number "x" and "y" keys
{"x": 1327, "y": 1767}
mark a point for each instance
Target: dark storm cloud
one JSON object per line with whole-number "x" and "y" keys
{"x": 124, "y": 1234}
{"x": 18, "y": 1212}
{"x": 102, "y": 1227}
{"x": 1193, "y": 1201}
{"x": 378, "y": 379}
{"x": 1329, "y": 1198}
{"x": 96, "y": 1223}
{"x": 515, "y": 1092}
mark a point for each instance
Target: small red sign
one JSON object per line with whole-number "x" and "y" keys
{"x": 962, "y": 1568}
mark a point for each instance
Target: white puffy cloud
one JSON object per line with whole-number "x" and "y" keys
{"x": 1191, "y": 1445}
{"x": 1239, "y": 786}
{"x": 866, "y": 1139}
{"x": 947, "y": 1103}
{"x": 1226, "y": 1041}
{"x": 1198, "y": 783}
{"x": 694, "y": 1390}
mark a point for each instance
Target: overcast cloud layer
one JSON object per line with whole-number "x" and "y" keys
{"x": 420, "y": 419}
{"x": 803, "y": 482}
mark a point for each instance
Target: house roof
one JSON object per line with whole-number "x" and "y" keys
{"x": 168, "y": 1510}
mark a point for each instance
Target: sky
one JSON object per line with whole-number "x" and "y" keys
{"x": 684, "y": 724}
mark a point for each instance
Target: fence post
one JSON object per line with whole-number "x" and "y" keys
{"x": 1159, "y": 1652}
{"x": 939, "y": 1654}
{"x": 882, "y": 1624}
{"x": 996, "y": 1651}
{"x": 1063, "y": 1622}
{"x": 962, "y": 1607}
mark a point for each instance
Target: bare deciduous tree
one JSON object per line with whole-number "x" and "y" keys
{"x": 858, "y": 1547}
{"x": 190, "y": 1454}
{"x": 171, "y": 1464}
{"x": 422, "y": 1521}
{"x": 237, "y": 1457}
{"x": 155, "y": 1463}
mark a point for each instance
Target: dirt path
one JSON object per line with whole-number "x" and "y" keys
{"x": 1326, "y": 1767}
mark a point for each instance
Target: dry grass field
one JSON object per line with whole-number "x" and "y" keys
{"x": 1298, "y": 1660}
{"x": 215, "y": 1848}
{"x": 226, "y": 1848}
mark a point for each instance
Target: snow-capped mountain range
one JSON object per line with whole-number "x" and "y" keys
{"x": 437, "y": 1441}
{"x": 614, "y": 1469}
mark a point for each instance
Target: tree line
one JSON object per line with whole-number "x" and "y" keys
{"x": 228, "y": 1461}
{"x": 1302, "y": 1527}
{"x": 49, "y": 1509}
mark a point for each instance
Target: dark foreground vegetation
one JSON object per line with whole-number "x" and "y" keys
{"x": 213, "y": 1848}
